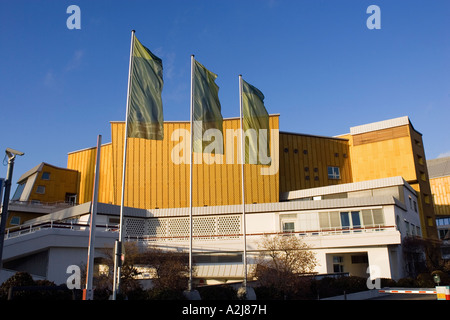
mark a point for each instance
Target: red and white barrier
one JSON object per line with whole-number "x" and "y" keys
{"x": 442, "y": 292}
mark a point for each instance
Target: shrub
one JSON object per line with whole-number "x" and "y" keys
{"x": 407, "y": 283}
{"x": 445, "y": 278}
{"x": 425, "y": 280}
{"x": 221, "y": 292}
{"x": 165, "y": 294}
{"x": 39, "y": 289}
{"x": 268, "y": 293}
{"x": 386, "y": 282}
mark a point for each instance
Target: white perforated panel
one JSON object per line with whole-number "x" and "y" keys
{"x": 229, "y": 225}
{"x": 211, "y": 227}
{"x": 134, "y": 227}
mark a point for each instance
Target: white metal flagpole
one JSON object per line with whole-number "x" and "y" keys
{"x": 118, "y": 244}
{"x": 88, "y": 293}
{"x": 191, "y": 174}
{"x": 244, "y": 227}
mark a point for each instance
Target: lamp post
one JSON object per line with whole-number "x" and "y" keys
{"x": 11, "y": 153}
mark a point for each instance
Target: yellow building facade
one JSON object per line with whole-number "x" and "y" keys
{"x": 439, "y": 171}
{"x": 393, "y": 148}
{"x": 306, "y": 159}
{"x": 41, "y": 190}
{"x": 158, "y": 171}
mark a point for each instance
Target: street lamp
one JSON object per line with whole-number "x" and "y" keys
{"x": 11, "y": 153}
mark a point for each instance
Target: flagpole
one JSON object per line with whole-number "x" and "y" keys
{"x": 118, "y": 243}
{"x": 191, "y": 174}
{"x": 88, "y": 294}
{"x": 244, "y": 226}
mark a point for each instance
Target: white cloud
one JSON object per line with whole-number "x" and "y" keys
{"x": 444, "y": 154}
{"x": 49, "y": 79}
{"x": 75, "y": 61}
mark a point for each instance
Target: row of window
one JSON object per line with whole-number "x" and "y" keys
{"x": 351, "y": 219}
{"x": 342, "y": 220}
{"x": 305, "y": 152}
{"x": 412, "y": 230}
{"x": 443, "y": 221}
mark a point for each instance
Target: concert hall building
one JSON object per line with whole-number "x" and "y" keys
{"x": 352, "y": 198}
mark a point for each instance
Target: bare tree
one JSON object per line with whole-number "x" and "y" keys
{"x": 171, "y": 268}
{"x": 281, "y": 262}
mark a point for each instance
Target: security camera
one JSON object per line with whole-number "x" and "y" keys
{"x": 12, "y": 153}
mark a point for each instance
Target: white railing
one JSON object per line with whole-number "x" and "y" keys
{"x": 17, "y": 231}
{"x": 38, "y": 204}
{"x": 309, "y": 233}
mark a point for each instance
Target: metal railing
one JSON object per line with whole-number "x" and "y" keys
{"x": 17, "y": 231}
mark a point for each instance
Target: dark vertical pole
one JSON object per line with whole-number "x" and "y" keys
{"x": 4, "y": 215}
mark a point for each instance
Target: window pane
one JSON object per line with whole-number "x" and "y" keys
{"x": 367, "y": 218}
{"x": 378, "y": 217}
{"x": 19, "y": 191}
{"x": 334, "y": 218}
{"x": 345, "y": 222}
{"x": 288, "y": 227}
{"x": 40, "y": 189}
{"x": 333, "y": 173}
{"x": 355, "y": 219}
{"x": 323, "y": 220}
{"x": 45, "y": 176}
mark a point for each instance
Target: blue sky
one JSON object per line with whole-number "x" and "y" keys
{"x": 316, "y": 62}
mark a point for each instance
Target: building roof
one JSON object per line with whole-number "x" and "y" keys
{"x": 39, "y": 168}
{"x": 439, "y": 167}
{"x": 345, "y": 187}
{"x": 380, "y": 125}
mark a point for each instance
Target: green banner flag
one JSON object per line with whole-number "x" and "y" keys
{"x": 255, "y": 125}
{"x": 207, "y": 112}
{"x": 145, "y": 115}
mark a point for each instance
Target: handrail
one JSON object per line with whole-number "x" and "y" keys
{"x": 16, "y": 231}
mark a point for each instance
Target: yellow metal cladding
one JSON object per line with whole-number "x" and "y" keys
{"x": 382, "y": 153}
{"x": 56, "y": 182}
{"x": 84, "y": 162}
{"x": 155, "y": 179}
{"x": 390, "y": 152}
{"x": 304, "y": 161}
{"x": 440, "y": 188}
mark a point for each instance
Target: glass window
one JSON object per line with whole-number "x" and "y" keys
{"x": 323, "y": 220}
{"x": 356, "y": 221}
{"x": 19, "y": 191}
{"x": 338, "y": 264}
{"x": 15, "y": 221}
{"x": 288, "y": 226}
{"x": 45, "y": 176}
{"x": 335, "y": 219}
{"x": 378, "y": 217}
{"x": 367, "y": 218}
{"x": 345, "y": 221}
{"x": 40, "y": 189}
{"x": 334, "y": 173}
